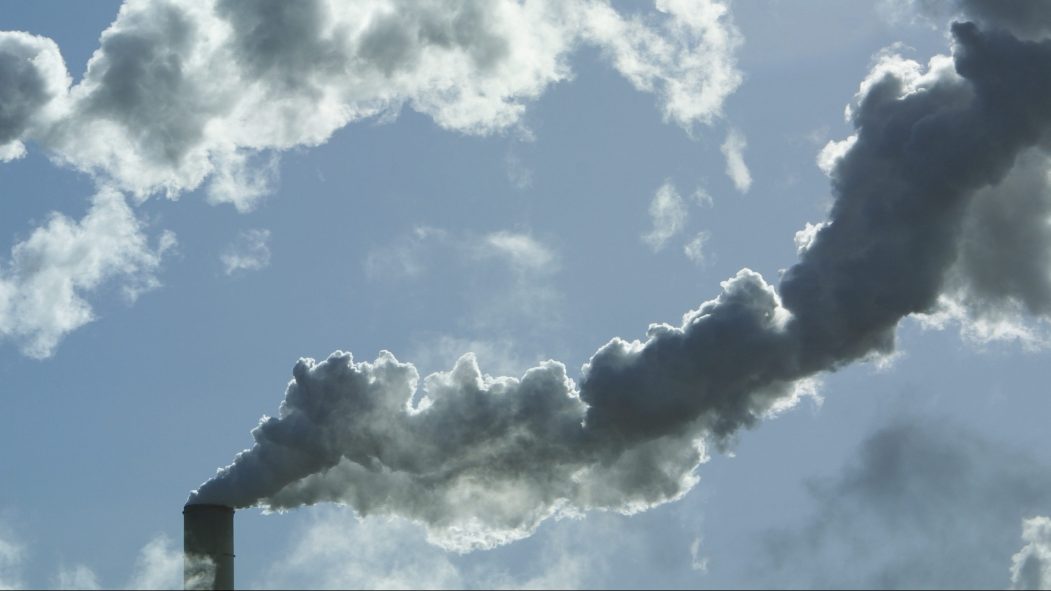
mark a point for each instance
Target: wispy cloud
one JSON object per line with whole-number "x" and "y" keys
{"x": 694, "y": 249}
{"x": 668, "y": 216}
{"x": 249, "y": 252}
{"x": 42, "y": 288}
{"x": 736, "y": 169}
{"x": 1031, "y": 566}
{"x": 520, "y": 250}
{"x": 11, "y": 556}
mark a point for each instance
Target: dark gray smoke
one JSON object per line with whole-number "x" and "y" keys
{"x": 923, "y": 503}
{"x": 483, "y": 460}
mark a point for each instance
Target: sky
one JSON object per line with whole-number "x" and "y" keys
{"x": 214, "y": 212}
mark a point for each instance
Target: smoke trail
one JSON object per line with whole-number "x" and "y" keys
{"x": 483, "y": 460}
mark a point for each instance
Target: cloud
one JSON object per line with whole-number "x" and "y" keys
{"x": 668, "y": 214}
{"x": 520, "y": 175}
{"x": 77, "y": 577}
{"x": 510, "y": 273}
{"x": 1031, "y": 566}
{"x": 249, "y": 252}
{"x": 405, "y": 257}
{"x": 481, "y": 460}
{"x": 694, "y": 249}
{"x": 42, "y": 287}
{"x": 922, "y": 503}
{"x": 698, "y": 561}
{"x": 11, "y": 555}
{"x": 34, "y": 79}
{"x": 690, "y": 63}
{"x": 183, "y": 93}
{"x": 522, "y": 251}
{"x": 736, "y": 169}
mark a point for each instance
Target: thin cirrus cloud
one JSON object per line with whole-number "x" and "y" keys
{"x": 482, "y": 460}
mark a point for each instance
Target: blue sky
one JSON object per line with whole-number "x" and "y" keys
{"x": 571, "y": 204}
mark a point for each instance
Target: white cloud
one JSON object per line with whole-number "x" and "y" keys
{"x": 249, "y": 252}
{"x": 35, "y": 82}
{"x": 690, "y": 63}
{"x": 77, "y": 577}
{"x": 736, "y": 169}
{"x": 1031, "y": 566}
{"x": 520, "y": 176}
{"x": 702, "y": 197}
{"x": 11, "y": 554}
{"x": 698, "y": 561}
{"x": 405, "y": 258}
{"x": 694, "y": 249}
{"x": 833, "y": 152}
{"x": 42, "y": 287}
{"x": 189, "y": 93}
{"x": 186, "y": 92}
{"x": 522, "y": 251}
{"x": 668, "y": 214}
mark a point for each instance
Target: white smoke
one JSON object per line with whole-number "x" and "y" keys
{"x": 1031, "y": 566}
{"x": 483, "y": 460}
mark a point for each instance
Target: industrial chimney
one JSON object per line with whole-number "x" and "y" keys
{"x": 208, "y": 547}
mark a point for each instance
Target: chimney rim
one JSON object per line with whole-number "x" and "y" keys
{"x": 196, "y": 507}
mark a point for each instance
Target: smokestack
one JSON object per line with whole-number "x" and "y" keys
{"x": 208, "y": 547}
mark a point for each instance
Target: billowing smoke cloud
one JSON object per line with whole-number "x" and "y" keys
{"x": 1031, "y": 566}
{"x": 482, "y": 460}
{"x": 181, "y": 91}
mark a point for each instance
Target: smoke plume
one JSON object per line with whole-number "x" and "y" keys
{"x": 483, "y": 460}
